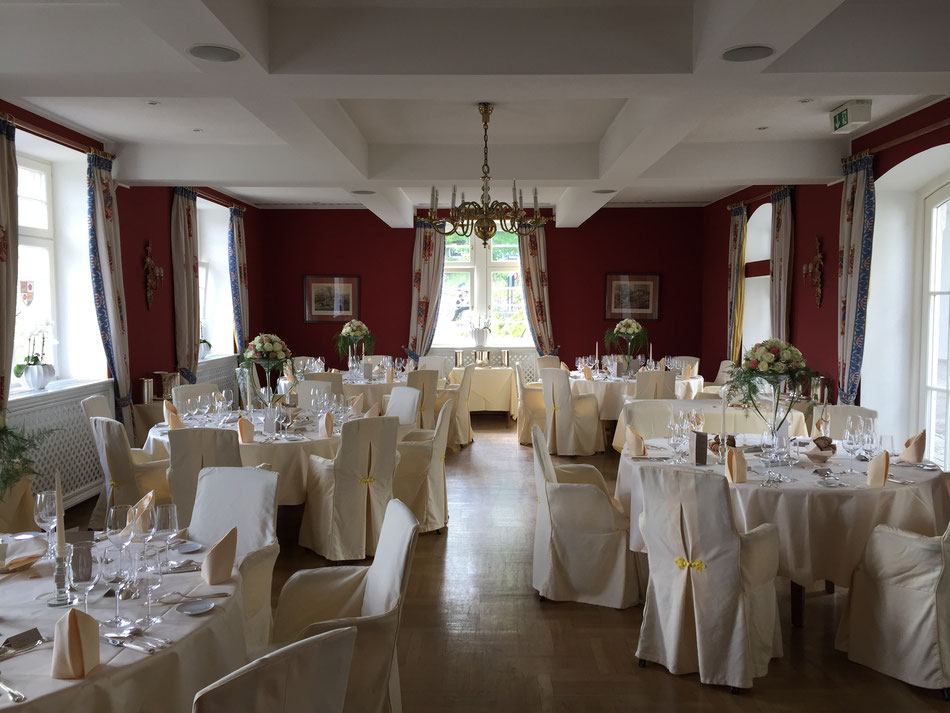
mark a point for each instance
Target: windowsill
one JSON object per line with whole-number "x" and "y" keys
{"x": 215, "y": 357}
{"x": 489, "y": 347}
{"x": 56, "y": 388}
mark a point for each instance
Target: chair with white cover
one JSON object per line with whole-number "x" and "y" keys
{"x": 427, "y": 381}
{"x": 572, "y": 422}
{"x": 307, "y": 675}
{"x": 96, "y": 406}
{"x": 460, "y": 431}
{"x": 656, "y": 385}
{"x": 334, "y": 378}
{"x": 403, "y": 404}
{"x": 191, "y": 391}
{"x": 710, "y": 603}
{"x": 245, "y": 498}
{"x": 437, "y": 363}
{"x": 839, "y": 415}
{"x": 530, "y": 407}
{"x": 650, "y": 418}
{"x": 309, "y": 392}
{"x": 896, "y": 620}
{"x": 419, "y": 480}
{"x": 93, "y": 407}
{"x": 725, "y": 372}
{"x": 581, "y": 536}
{"x": 369, "y": 598}
{"x": 551, "y": 361}
{"x": 190, "y": 450}
{"x": 347, "y": 496}
{"x": 690, "y": 362}
{"x": 130, "y": 472}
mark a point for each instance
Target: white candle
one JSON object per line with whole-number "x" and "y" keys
{"x": 453, "y": 197}
{"x": 514, "y": 192}
{"x": 651, "y": 351}
{"x": 432, "y": 200}
{"x": 60, "y": 531}
{"x": 535, "y": 201}
{"x": 597, "y": 350}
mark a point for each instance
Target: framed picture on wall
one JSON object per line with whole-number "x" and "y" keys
{"x": 636, "y": 296}
{"x": 329, "y": 298}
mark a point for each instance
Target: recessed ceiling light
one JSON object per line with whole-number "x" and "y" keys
{"x": 761, "y": 128}
{"x": 197, "y": 130}
{"x": 604, "y": 191}
{"x": 152, "y": 102}
{"x": 215, "y": 53}
{"x": 805, "y": 101}
{"x": 363, "y": 193}
{"x": 747, "y": 53}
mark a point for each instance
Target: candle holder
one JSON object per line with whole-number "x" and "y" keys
{"x": 505, "y": 357}
{"x": 61, "y": 594}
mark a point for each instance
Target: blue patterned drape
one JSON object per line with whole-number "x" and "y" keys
{"x": 184, "y": 243}
{"x": 735, "y": 301}
{"x": 237, "y": 267}
{"x": 108, "y": 288}
{"x": 9, "y": 254}
{"x": 854, "y": 271}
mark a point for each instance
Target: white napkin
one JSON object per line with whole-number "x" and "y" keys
{"x": 878, "y": 468}
{"x": 372, "y": 411}
{"x": 635, "y": 444}
{"x": 216, "y": 569}
{"x": 16, "y": 553}
{"x": 914, "y": 448}
{"x": 245, "y": 430}
{"x": 75, "y": 645}
{"x": 736, "y": 468}
{"x": 135, "y": 525}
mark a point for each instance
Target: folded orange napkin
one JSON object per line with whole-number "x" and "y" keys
{"x": 75, "y": 645}
{"x": 878, "y": 468}
{"x": 635, "y": 444}
{"x": 642, "y": 368}
{"x": 736, "y": 468}
{"x": 914, "y": 448}
{"x": 390, "y": 376}
{"x": 565, "y": 367}
{"x": 328, "y": 425}
{"x": 174, "y": 422}
{"x": 587, "y": 373}
{"x": 216, "y": 569}
{"x": 356, "y": 403}
{"x": 168, "y": 408}
{"x": 245, "y": 430}
{"x": 135, "y": 524}
{"x": 17, "y": 553}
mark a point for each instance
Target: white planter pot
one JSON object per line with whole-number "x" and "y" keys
{"x": 203, "y": 350}
{"x": 37, "y": 377}
{"x": 480, "y": 335}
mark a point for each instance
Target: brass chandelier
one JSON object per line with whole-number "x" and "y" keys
{"x": 480, "y": 217}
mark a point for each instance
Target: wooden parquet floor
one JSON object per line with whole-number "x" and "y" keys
{"x": 475, "y": 637}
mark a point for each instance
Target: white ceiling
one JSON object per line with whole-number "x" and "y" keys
{"x": 333, "y": 96}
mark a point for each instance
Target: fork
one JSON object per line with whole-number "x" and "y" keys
{"x": 14, "y": 694}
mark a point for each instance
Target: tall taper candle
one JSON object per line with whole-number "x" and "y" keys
{"x": 651, "y": 351}
{"x": 597, "y": 351}
{"x": 60, "y": 532}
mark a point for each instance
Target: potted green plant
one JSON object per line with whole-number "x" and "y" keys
{"x": 33, "y": 369}
{"x": 204, "y": 348}
{"x": 17, "y": 467}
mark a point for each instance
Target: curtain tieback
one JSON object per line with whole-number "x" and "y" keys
{"x": 698, "y": 564}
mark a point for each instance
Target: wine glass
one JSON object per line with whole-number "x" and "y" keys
{"x": 115, "y": 570}
{"x": 204, "y": 404}
{"x": 84, "y": 569}
{"x": 148, "y": 576}
{"x": 852, "y": 444}
{"x": 44, "y": 513}
{"x": 189, "y": 408}
{"x": 143, "y": 526}
{"x": 118, "y": 529}
{"x": 166, "y": 523}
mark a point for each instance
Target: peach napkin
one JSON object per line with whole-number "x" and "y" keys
{"x": 216, "y": 569}
{"x": 372, "y": 411}
{"x": 878, "y": 468}
{"x": 565, "y": 367}
{"x": 245, "y": 430}
{"x": 390, "y": 376}
{"x": 328, "y": 425}
{"x": 168, "y": 408}
{"x": 822, "y": 418}
{"x": 635, "y": 444}
{"x": 17, "y": 553}
{"x": 135, "y": 524}
{"x": 75, "y": 645}
{"x": 736, "y": 468}
{"x": 174, "y": 421}
{"x": 914, "y": 448}
{"x": 587, "y": 373}
{"x": 356, "y": 403}
{"x": 820, "y": 449}
{"x": 642, "y": 368}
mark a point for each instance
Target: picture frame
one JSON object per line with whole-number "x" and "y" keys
{"x": 331, "y": 298}
{"x": 628, "y": 295}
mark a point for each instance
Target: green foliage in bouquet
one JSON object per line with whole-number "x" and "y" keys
{"x": 16, "y": 461}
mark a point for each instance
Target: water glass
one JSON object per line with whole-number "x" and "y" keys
{"x": 852, "y": 444}
{"x": 44, "y": 513}
{"x": 115, "y": 569}
{"x": 148, "y": 576}
{"x": 84, "y": 569}
{"x": 117, "y": 526}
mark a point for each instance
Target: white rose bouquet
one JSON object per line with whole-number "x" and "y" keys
{"x": 629, "y": 331}
{"x": 353, "y": 333}
{"x": 267, "y": 348}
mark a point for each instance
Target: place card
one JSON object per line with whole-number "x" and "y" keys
{"x": 697, "y": 447}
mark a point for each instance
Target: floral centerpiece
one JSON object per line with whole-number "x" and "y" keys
{"x": 271, "y": 352}
{"x": 774, "y": 365}
{"x": 629, "y": 331}
{"x": 353, "y": 333}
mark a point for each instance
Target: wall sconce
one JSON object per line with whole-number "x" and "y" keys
{"x": 154, "y": 275}
{"x": 812, "y": 271}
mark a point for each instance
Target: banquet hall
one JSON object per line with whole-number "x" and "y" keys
{"x": 600, "y": 364}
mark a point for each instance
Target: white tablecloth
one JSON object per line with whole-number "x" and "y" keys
{"x": 288, "y": 458}
{"x": 205, "y": 648}
{"x": 611, "y": 393}
{"x": 493, "y": 389}
{"x": 822, "y": 531}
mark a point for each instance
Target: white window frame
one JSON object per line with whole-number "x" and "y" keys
{"x": 746, "y": 344}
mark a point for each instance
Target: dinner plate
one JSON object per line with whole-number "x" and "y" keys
{"x": 187, "y": 547}
{"x": 196, "y": 607}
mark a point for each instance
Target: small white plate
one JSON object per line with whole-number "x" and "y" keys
{"x": 187, "y": 547}
{"x": 195, "y": 608}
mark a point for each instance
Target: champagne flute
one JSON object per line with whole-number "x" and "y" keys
{"x": 114, "y": 568}
{"x": 148, "y": 576}
{"x": 166, "y": 523}
{"x": 84, "y": 569}
{"x": 44, "y": 513}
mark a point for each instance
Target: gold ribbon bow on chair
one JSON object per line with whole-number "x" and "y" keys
{"x": 698, "y": 564}
{"x": 364, "y": 481}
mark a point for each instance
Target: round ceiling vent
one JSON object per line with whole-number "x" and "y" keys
{"x": 747, "y": 53}
{"x": 215, "y": 53}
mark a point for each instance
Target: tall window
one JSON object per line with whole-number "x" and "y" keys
{"x": 756, "y": 316}
{"x": 937, "y": 329}
{"x": 214, "y": 280}
{"x": 479, "y": 283}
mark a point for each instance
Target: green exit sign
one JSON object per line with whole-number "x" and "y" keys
{"x": 840, "y": 120}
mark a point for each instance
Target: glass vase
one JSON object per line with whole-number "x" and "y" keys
{"x": 775, "y": 414}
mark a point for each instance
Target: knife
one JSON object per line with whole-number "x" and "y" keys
{"x": 128, "y": 645}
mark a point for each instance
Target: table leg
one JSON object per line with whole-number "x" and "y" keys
{"x": 798, "y": 605}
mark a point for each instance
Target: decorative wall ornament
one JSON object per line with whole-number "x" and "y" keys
{"x": 154, "y": 275}
{"x": 812, "y": 271}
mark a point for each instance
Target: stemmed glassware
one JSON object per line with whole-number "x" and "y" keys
{"x": 115, "y": 570}
{"x": 44, "y": 513}
{"x": 84, "y": 567}
{"x": 204, "y": 404}
{"x": 166, "y": 523}
{"x": 148, "y": 576}
{"x": 851, "y": 443}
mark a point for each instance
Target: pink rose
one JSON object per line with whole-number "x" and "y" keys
{"x": 757, "y": 346}
{"x": 754, "y": 363}
{"x": 283, "y": 345}
{"x": 257, "y": 355}
{"x": 266, "y": 339}
{"x": 774, "y": 350}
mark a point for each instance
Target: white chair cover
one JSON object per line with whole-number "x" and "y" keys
{"x": 437, "y": 363}
{"x": 651, "y": 419}
{"x": 308, "y": 392}
{"x": 690, "y": 361}
{"x": 404, "y": 405}
{"x": 130, "y": 472}
{"x": 581, "y": 536}
{"x": 548, "y": 362}
{"x": 93, "y": 407}
{"x": 335, "y": 379}
{"x": 710, "y": 603}
{"x": 460, "y": 431}
{"x": 839, "y": 418}
{"x": 191, "y": 391}
{"x": 420, "y": 473}
{"x": 656, "y": 385}
{"x": 427, "y": 381}
{"x": 896, "y": 620}
{"x": 245, "y": 498}
{"x": 347, "y": 496}
{"x": 309, "y": 675}
{"x": 190, "y": 450}
{"x": 369, "y": 598}
{"x": 572, "y": 422}
{"x": 530, "y": 407}
{"x": 725, "y": 371}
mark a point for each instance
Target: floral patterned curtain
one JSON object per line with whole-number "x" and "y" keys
{"x": 780, "y": 267}
{"x": 108, "y": 288}
{"x": 534, "y": 276}
{"x": 428, "y": 261}
{"x": 237, "y": 266}
{"x": 738, "y": 222}
{"x": 854, "y": 271}
{"x": 9, "y": 247}
{"x": 184, "y": 239}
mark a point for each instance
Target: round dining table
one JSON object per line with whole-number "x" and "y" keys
{"x": 823, "y": 524}
{"x": 288, "y": 456}
{"x": 612, "y": 393}
{"x": 203, "y": 648}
